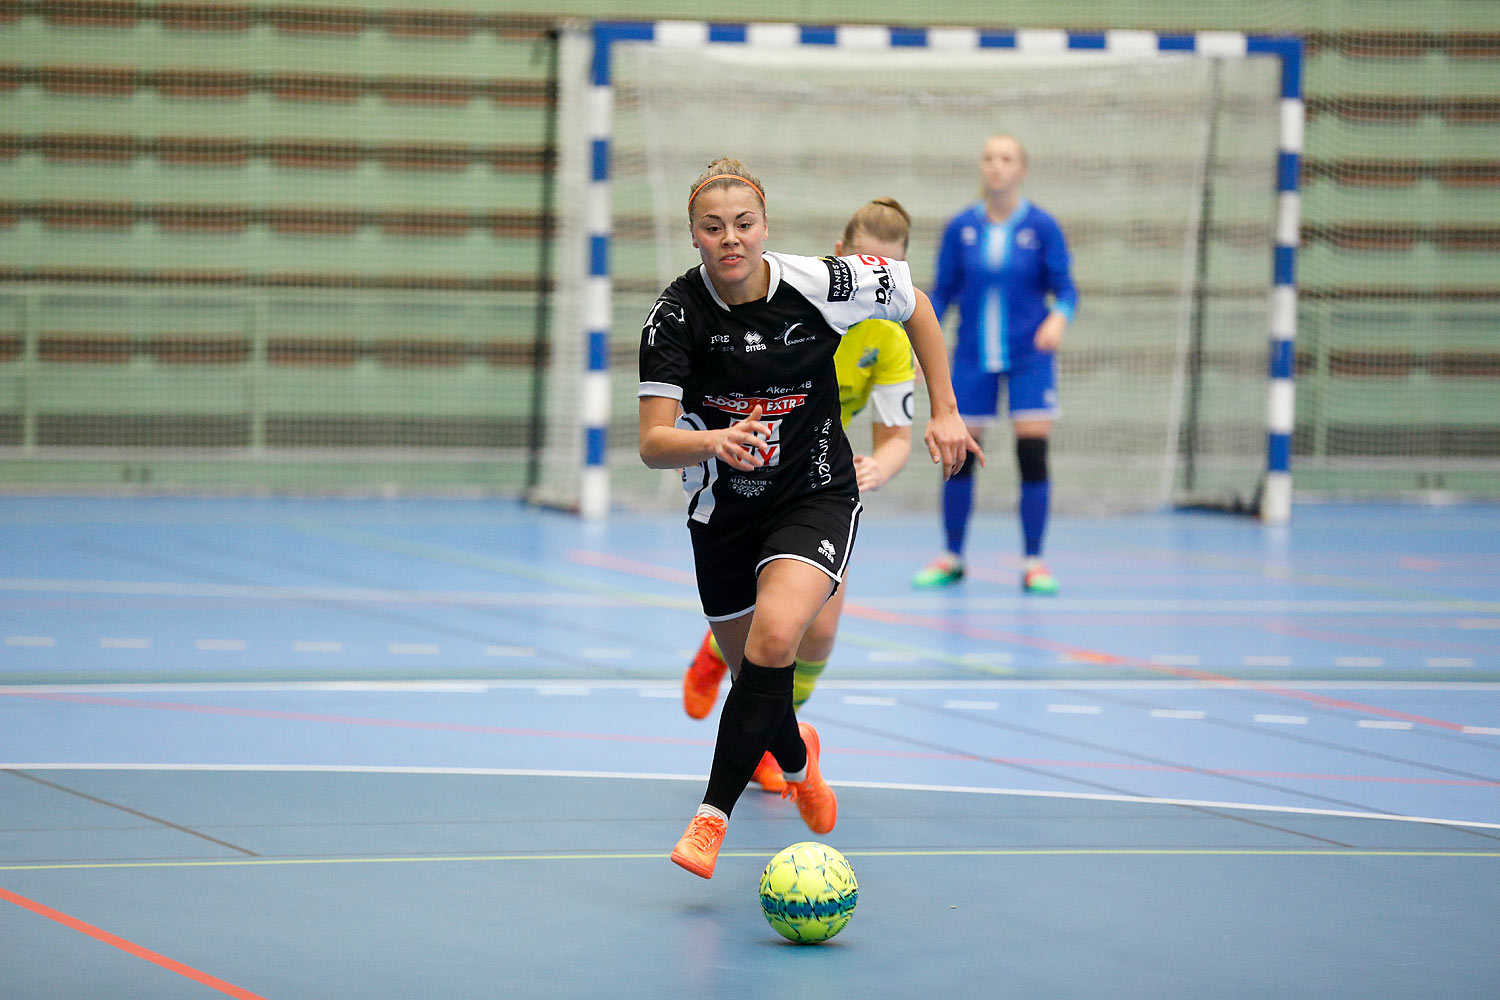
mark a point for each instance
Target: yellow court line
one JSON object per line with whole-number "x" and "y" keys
{"x": 899, "y": 853}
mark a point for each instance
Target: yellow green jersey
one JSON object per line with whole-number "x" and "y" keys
{"x": 874, "y": 362}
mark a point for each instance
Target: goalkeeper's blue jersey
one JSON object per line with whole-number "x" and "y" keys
{"x": 1004, "y": 277}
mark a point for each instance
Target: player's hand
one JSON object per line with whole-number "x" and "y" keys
{"x": 1049, "y": 335}
{"x": 950, "y": 443}
{"x": 869, "y": 474}
{"x": 740, "y": 444}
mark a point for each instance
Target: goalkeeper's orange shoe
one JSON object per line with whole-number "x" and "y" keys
{"x": 768, "y": 774}
{"x": 698, "y": 850}
{"x": 815, "y": 800}
{"x": 700, "y": 685}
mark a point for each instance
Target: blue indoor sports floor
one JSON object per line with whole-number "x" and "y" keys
{"x": 364, "y": 749}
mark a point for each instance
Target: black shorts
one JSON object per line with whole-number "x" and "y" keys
{"x": 818, "y": 530}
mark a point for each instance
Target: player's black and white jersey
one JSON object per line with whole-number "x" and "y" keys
{"x": 719, "y": 360}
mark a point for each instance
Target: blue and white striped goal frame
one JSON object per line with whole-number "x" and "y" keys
{"x": 1276, "y": 495}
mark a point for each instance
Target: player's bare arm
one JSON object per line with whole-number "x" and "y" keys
{"x": 948, "y": 440}
{"x": 891, "y": 446}
{"x": 663, "y": 445}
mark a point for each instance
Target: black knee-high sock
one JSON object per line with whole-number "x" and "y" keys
{"x": 787, "y": 746}
{"x": 759, "y": 701}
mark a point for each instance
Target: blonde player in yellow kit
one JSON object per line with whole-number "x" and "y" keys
{"x": 874, "y": 363}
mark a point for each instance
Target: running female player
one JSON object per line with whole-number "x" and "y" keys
{"x": 738, "y": 389}
{"x": 874, "y": 366}
{"x": 1004, "y": 262}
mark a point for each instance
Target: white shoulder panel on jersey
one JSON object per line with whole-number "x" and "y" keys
{"x": 847, "y": 290}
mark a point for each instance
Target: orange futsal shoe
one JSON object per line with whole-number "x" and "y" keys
{"x": 700, "y": 685}
{"x": 698, "y": 850}
{"x": 815, "y": 800}
{"x": 768, "y": 774}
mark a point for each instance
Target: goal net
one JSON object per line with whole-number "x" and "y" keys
{"x": 1160, "y": 167}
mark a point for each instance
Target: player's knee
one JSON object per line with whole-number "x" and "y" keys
{"x": 775, "y": 642}
{"x": 1031, "y": 456}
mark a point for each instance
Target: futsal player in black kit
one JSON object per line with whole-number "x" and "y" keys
{"x": 738, "y": 389}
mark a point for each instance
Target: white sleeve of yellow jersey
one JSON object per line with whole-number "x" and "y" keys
{"x": 893, "y": 403}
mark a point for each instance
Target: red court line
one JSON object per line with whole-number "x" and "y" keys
{"x": 1207, "y": 676}
{"x": 351, "y": 720}
{"x": 1088, "y": 655}
{"x": 1388, "y": 642}
{"x": 603, "y": 560}
{"x": 1216, "y": 772}
{"x": 129, "y": 947}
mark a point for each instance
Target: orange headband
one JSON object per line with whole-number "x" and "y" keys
{"x": 736, "y": 177}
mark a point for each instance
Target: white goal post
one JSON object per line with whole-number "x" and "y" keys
{"x": 1174, "y": 176}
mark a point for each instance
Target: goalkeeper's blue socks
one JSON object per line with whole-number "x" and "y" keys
{"x": 1035, "y": 499}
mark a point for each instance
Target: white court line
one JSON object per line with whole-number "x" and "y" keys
{"x": 237, "y": 592}
{"x": 1482, "y": 730}
{"x": 124, "y": 642}
{"x": 1200, "y": 605}
{"x": 978, "y": 706}
{"x": 37, "y": 641}
{"x": 1075, "y": 709}
{"x": 650, "y": 776}
{"x": 253, "y": 687}
{"x": 1152, "y": 683}
{"x": 416, "y": 687}
{"x": 1267, "y": 661}
{"x": 975, "y": 684}
{"x": 1251, "y": 606}
{"x": 1176, "y": 713}
{"x": 1283, "y": 720}
{"x": 1450, "y": 661}
{"x": 1382, "y": 724}
{"x": 221, "y": 645}
{"x": 316, "y": 646}
{"x": 564, "y": 690}
{"x": 1358, "y": 661}
{"x": 1175, "y": 659}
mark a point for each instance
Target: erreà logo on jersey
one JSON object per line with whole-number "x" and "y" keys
{"x": 778, "y": 407}
{"x": 840, "y": 280}
{"x": 753, "y": 341}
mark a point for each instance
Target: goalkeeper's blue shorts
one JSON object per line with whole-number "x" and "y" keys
{"x": 1030, "y": 389}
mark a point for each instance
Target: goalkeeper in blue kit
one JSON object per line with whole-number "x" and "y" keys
{"x": 1004, "y": 262}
